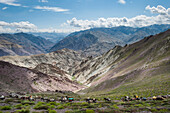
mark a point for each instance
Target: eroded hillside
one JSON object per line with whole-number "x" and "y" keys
{"x": 65, "y": 59}
{"x": 20, "y": 79}
{"x": 145, "y": 64}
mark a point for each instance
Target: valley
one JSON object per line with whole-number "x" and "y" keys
{"x": 84, "y": 56}
{"x": 127, "y": 69}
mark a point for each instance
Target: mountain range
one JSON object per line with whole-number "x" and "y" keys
{"x": 96, "y": 41}
{"x": 140, "y": 67}
{"x": 23, "y": 44}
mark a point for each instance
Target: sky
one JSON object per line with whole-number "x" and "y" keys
{"x": 66, "y": 16}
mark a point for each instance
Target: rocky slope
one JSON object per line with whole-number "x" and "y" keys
{"x": 94, "y": 41}
{"x": 20, "y": 79}
{"x": 65, "y": 59}
{"x": 22, "y": 44}
{"x": 52, "y": 70}
{"x": 144, "y": 64}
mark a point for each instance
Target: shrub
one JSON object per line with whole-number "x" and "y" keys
{"x": 163, "y": 111}
{"x": 41, "y": 107}
{"x": 154, "y": 110}
{"x": 68, "y": 104}
{"x": 84, "y": 103}
{"x": 5, "y": 108}
{"x": 28, "y": 102}
{"x": 52, "y": 106}
{"x": 89, "y": 111}
{"x": 23, "y": 111}
{"x": 52, "y": 111}
{"x": 60, "y": 107}
{"x": 18, "y": 106}
{"x": 115, "y": 106}
{"x": 8, "y": 100}
{"x": 54, "y": 103}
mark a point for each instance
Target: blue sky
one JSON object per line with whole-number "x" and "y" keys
{"x": 73, "y": 15}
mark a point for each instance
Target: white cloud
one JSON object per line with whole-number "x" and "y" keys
{"x": 43, "y": 0}
{"x": 55, "y": 9}
{"x": 26, "y": 26}
{"x": 163, "y": 17}
{"x": 10, "y": 2}
{"x": 21, "y": 25}
{"x": 4, "y": 8}
{"x": 122, "y": 1}
{"x": 159, "y": 10}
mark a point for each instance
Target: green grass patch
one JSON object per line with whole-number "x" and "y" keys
{"x": 23, "y": 111}
{"x": 41, "y": 105}
{"x": 60, "y": 107}
{"x": 89, "y": 111}
{"x": 52, "y": 111}
{"x": 5, "y": 107}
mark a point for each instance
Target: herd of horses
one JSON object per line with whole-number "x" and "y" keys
{"x": 89, "y": 100}
{"x": 34, "y": 98}
{"x": 46, "y": 99}
{"x": 127, "y": 98}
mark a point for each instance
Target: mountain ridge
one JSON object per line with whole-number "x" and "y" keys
{"x": 127, "y": 69}
{"x": 90, "y": 41}
{"x": 30, "y": 44}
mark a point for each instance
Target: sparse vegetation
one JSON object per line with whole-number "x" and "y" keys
{"x": 5, "y": 107}
{"x": 84, "y": 107}
{"x": 89, "y": 111}
{"x": 23, "y": 111}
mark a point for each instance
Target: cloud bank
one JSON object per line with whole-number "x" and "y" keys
{"x": 26, "y": 26}
{"x": 163, "y": 17}
{"x": 23, "y": 25}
